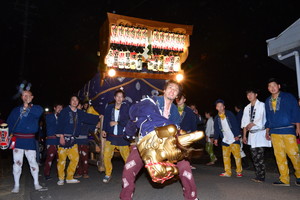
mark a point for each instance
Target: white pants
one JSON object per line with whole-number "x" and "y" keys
{"x": 18, "y": 155}
{"x": 241, "y": 149}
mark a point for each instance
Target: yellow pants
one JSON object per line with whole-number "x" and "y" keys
{"x": 286, "y": 145}
{"x": 109, "y": 153}
{"x": 73, "y": 156}
{"x": 235, "y": 150}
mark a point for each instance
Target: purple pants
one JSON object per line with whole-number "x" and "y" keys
{"x": 135, "y": 163}
{"x": 83, "y": 165}
{"x": 51, "y": 154}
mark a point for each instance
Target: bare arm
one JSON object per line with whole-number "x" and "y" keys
{"x": 298, "y": 129}
{"x": 62, "y": 140}
{"x": 244, "y": 135}
{"x": 268, "y": 134}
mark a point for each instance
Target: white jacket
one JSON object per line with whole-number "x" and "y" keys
{"x": 256, "y": 137}
{"x": 209, "y": 130}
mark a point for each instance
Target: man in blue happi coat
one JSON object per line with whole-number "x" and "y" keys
{"x": 146, "y": 116}
{"x": 282, "y": 127}
{"x": 23, "y": 123}
{"x": 51, "y": 140}
{"x": 226, "y": 128}
{"x": 189, "y": 120}
{"x": 115, "y": 119}
{"x": 69, "y": 127}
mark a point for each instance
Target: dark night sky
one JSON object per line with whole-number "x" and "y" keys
{"x": 228, "y": 51}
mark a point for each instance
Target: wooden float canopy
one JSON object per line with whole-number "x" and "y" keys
{"x": 150, "y": 25}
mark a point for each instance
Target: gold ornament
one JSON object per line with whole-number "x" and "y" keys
{"x": 161, "y": 148}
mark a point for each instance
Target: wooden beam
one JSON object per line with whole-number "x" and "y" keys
{"x": 165, "y": 76}
{"x": 150, "y": 24}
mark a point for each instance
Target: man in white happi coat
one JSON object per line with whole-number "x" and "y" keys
{"x": 253, "y": 123}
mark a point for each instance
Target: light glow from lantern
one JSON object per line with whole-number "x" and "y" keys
{"x": 111, "y": 72}
{"x": 179, "y": 77}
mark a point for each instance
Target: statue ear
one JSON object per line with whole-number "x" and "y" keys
{"x": 187, "y": 139}
{"x": 166, "y": 131}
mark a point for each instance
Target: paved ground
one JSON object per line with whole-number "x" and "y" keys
{"x": 210, "y": 185}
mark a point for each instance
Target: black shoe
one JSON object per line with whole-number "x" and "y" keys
{"x": 257, "y": 180}
{"x": 48, "y": 178}
{"x": 297, "y": 182}
{"x": 280, "y": 183}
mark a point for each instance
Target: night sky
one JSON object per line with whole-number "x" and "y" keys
{"x": 228, "y": 51}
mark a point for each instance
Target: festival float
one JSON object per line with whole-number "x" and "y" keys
{"x": 137, "y": 56}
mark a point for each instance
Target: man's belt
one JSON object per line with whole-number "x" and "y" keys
{"x": 24, "y": 136}
{"x": 51, "y": 137}
{"x": 116, "y": 136}
{"x": 292, "y": 126}
{"x": 82, "y": 137}
{"x": 256, "y": 130}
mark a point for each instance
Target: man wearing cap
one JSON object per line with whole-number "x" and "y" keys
{"x": 226, "y": 128}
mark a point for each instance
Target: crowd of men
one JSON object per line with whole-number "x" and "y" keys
{"x": 273, "y": 123}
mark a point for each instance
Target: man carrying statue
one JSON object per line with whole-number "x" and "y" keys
{"x": 161, "y": 145}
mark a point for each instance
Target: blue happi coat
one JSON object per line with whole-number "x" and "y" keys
{"x": 146, "y": 115}
{"x": 51, "y": 126}
{"x": 119, "y": 139}
{"x": 233, "y": 124}
{"x": 66, "y": 120}
{"x": 188, "y": 120}
{"x": 28, "y": 124}
{"x": 85, "y": 129}
{"x": 287, "y": 112}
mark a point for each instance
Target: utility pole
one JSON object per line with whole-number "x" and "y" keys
{"x": 26, "y": 8}
{"x": 24, "y": 41}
